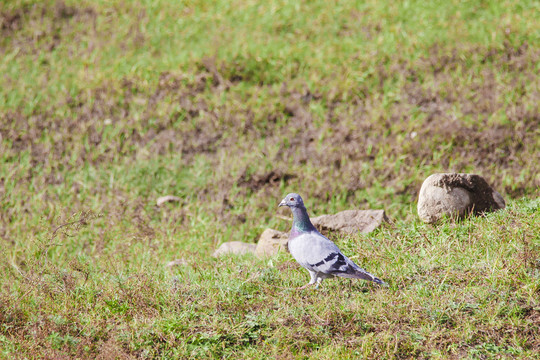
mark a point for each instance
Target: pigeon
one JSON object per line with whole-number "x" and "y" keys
{"x": 313, "y": 251}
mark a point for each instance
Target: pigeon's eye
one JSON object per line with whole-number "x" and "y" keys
{"x": 292, "y": 199}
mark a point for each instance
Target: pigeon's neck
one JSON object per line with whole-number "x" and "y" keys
{"x": 301, "y": 223}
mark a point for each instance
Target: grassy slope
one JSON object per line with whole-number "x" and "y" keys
{"x": 104, "y": 107}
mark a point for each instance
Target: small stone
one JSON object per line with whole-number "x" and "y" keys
{"x": 234, "y": 247}
{"x": 177, "y": 262}
{"x": 454, "y": 194}
{"x": 168, "y": 198}
{"x": 271, "y": 242}
{"x": 351, "y": 221}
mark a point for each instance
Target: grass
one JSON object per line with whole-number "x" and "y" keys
{"x": 457, "y": 290}
{"x": 105, "y": 106}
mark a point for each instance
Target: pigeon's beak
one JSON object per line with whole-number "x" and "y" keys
{"x": 282, "y": 203}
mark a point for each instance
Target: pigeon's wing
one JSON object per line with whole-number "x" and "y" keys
{"x": 311, "y": 249}
{"x": 316, "y": 253}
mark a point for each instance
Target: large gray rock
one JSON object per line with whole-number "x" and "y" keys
{"x": 271, "y": 242}
{"x": 351, "y": 221}
{"x": 453, "y": 194}
{"x": 234, "y": 247}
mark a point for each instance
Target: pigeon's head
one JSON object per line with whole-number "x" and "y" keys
{"x": 292, "y": 200}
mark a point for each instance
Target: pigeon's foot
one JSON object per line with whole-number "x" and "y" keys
{"x": 304, "y": 287}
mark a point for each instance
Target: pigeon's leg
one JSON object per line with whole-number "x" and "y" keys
{"x": 311, "y": 282}
{"x": 319, "y": 281}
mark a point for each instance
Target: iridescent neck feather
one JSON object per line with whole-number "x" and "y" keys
{"x": 301, "y": 222}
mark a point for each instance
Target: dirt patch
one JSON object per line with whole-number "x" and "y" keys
{"x": 257, "y": 181}
{"x": 10, "y": 21}
{"x": 48, "y": 21}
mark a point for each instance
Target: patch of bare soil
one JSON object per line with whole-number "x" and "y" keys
{"x": 257, "y": 181}
{"x": 34, "y": 28}
{"x": 9, "y": 22}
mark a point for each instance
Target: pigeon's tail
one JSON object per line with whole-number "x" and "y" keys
{"x": 379, "y": 281}
{"x": 372, "y": 278}
{"x": 360, "y": 273}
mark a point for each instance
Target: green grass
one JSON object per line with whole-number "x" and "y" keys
{"x": 458, "y": 289}
{"x": 105, "y": 106}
